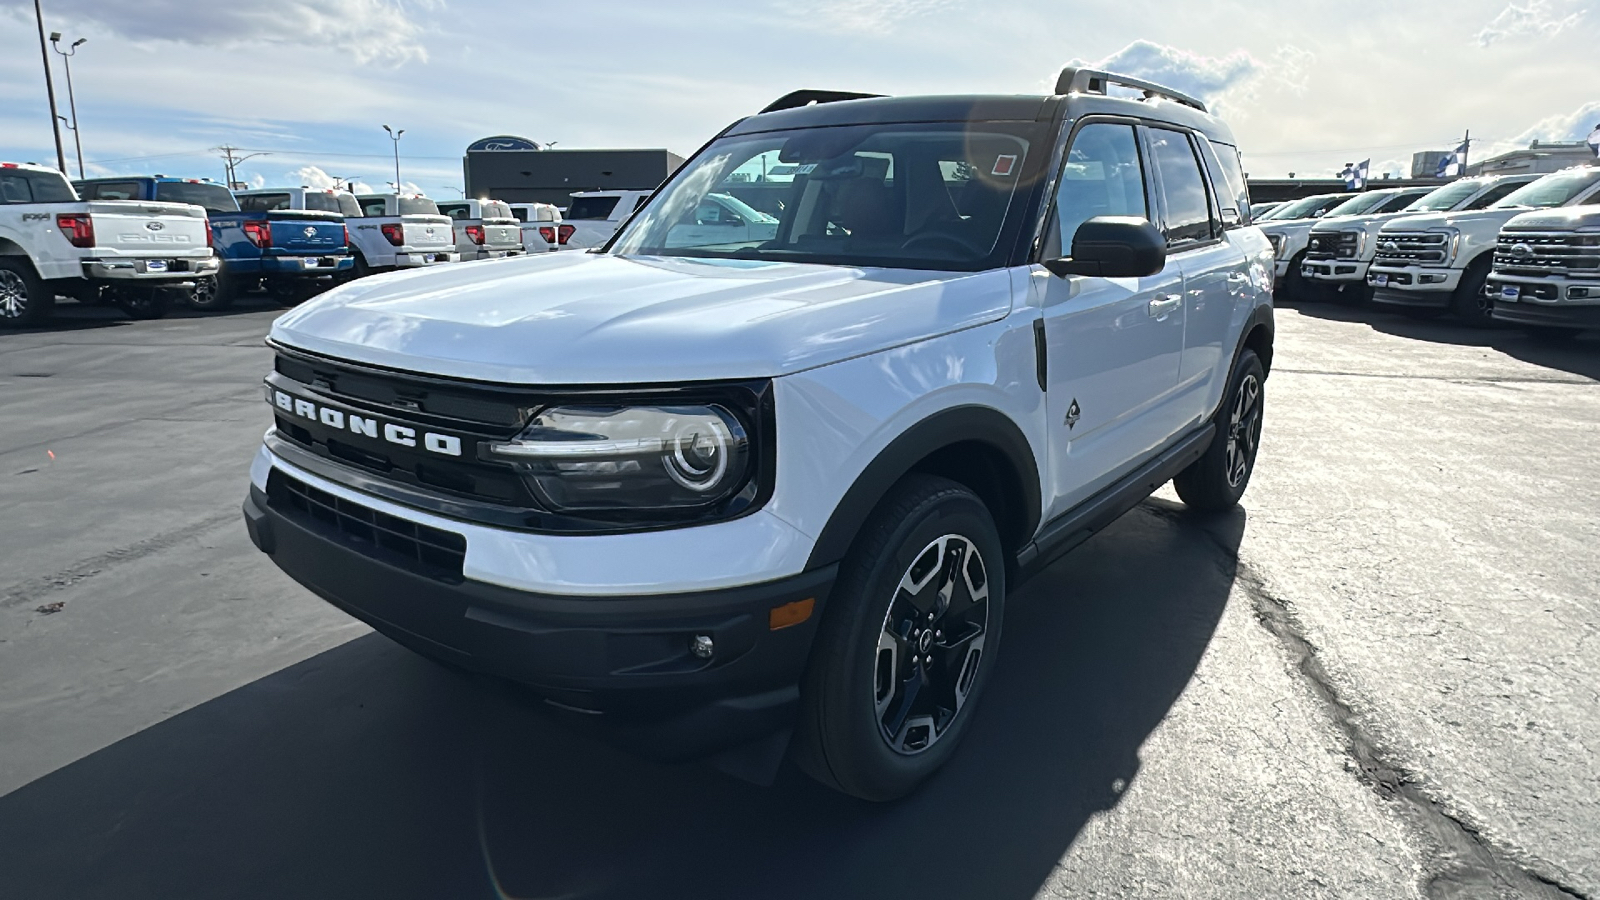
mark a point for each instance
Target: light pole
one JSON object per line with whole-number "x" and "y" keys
{"x": 451, "y": 187}
{"x": 72, "y": 100}
{"x": 395, "y": 136}
{"x": 50, "y": 90}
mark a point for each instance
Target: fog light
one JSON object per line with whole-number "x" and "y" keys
{"x": 702, "y": 646}
{"x": 1578, "y": 293}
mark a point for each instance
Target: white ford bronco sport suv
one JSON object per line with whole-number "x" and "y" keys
{"x": 716, "y": 496}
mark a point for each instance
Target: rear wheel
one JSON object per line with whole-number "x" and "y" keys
{"x": 24, "y": 300}
{"x": 144, "y": 302}
{"x": 213, "y": 292}
{"x": 1217, "y": 480}
{"x": 1469, "y": 303}
{"x": 907, "y": 642}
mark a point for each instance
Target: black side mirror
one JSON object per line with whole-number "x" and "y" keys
{"x": 1113, "y": 247}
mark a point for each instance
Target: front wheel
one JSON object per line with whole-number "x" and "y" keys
{"x": 1469, "y": 303}
{"x": 907, "y": 642}
{"x": 1217, "y": 480}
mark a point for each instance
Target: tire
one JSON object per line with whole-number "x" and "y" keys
{"x": 1469, "y": 303}
{"x": 1216, "y": 481}
{"x": 24, "y": 300}
{"x": 1294, "y": 284}
{"x": 213, "y": 293}
{"x": 360, "y": 269}
{"x": 145, "y": 303}
{"x": 863, "y": 728}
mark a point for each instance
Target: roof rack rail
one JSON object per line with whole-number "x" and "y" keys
{"x": 797, "y": 99}
{"x": 1094, "y": 81}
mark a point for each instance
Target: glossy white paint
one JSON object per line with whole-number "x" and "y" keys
{"x": 750, "y": 550}
{"x": 583, "y": 318}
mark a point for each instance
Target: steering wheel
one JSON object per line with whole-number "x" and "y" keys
{"x": 936, "y": 239}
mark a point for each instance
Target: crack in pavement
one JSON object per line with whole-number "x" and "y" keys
{"x": 1469, "y": 865}
{"x": 34, "y": 588}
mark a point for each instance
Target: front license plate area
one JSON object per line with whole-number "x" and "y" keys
{"x": 1380, "y": 280}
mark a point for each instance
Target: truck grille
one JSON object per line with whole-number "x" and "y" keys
{"x": 1548, "y": 253}
{"x": 1419, "y": 248}
{"x": 422, "y": 549}
{"x": 1327, "y": 245}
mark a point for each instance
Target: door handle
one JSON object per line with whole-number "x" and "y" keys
{"x": 1161, "y": 307}
{"x": 1238, "y": 277}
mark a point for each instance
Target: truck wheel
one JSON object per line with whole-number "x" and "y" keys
{"x": 24, "y": 300}
{"x": 1294, "y": 287}
{"x": 1470, "y": 304}
{"x": 907, "y": 642}
{"x": 145, "y": 303}
{"x": 1217, "y": 480}
{"x": 213, "y": 293}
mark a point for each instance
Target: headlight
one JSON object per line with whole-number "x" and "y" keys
{"x": 1277, "y": 243}
{"x": 599, "y": 459}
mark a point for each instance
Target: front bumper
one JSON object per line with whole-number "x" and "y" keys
{"x": 1337, "y": 271}
{"x": 414, "y": 259}
{"x": 502, "y": 253}
{"x": 625, "y": 662}
{"x": 126, "y": 270}
{"x": 1545, "y": 301}
{"x": 1415, "y": 286}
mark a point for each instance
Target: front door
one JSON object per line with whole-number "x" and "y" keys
{"x": 1113, "y": 345}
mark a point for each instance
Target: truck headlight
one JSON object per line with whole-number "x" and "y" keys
{"x": 1277, "y": 242}
{"x": 617, "y": 459}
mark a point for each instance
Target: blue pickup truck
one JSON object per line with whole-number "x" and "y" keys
{"x": 292, "y": 253}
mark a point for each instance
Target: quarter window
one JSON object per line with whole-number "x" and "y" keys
{"x": 1101, "y": 177}
{"x": 1182, "y": 185}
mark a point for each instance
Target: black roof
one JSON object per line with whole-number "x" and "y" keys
{"x": 981, "y": 108}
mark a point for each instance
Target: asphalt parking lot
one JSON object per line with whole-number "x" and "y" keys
{"x": 1376, "y": 680}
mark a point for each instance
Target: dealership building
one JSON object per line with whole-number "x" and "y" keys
{"x": 518, "y": 170}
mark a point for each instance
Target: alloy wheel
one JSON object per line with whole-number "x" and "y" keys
{"x": 13, "y": 295}
{"x": 931, "y": 644}
{"x": 1244, "y": 430}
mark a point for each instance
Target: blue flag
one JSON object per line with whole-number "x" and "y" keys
{"x": 1450, "y": 166}
{"x": 1594, "y": 140}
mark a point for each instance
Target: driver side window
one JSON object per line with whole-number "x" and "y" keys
{"x": 1102, "y": 176}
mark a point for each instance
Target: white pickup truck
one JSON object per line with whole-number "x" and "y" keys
{"x": 400, "y": 231}
{"x": 542, "y": 228}
{"x": 484, "y": 229}
{"x": 596, "y": 215}
{"x": 135, "y": 253}
{"x": 1427, "y": 265}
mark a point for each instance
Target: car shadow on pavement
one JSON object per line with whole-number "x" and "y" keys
{"x": 69, "y": 315}
{"x": 1579, "y": 355}
{"x": 369, "y": 772}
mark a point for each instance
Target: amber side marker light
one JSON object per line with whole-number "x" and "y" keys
{"x": 790, "y": 613}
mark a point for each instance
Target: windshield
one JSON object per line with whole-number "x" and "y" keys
{"x": 1556, "y": 189}
{"x": 1445, "y": 198}
{"x": 592, "y": 207}
{"x": 1300, "y": 209}
{"x": 925, "y": 196}
{"x": 1358, "y": 204}
{"x": 214, "y": 197}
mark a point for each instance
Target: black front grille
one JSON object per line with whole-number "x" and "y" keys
{"x": 419, "y": 548}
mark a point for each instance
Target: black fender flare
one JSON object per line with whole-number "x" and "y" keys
{"x": 955, "y": 425}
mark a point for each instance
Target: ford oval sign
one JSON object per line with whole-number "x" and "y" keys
{"x": 503, "y": 142}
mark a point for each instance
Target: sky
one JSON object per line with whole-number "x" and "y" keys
{"x": 1306, "y": 87}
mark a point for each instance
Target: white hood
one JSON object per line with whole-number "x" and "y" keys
{"x": 583, "y": 318}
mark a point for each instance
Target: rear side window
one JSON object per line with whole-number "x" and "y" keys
{"x": 1100, "y": 177}
{"x": 418, "y": 206}
{"x": 349, "y": 206}
{"x": 1182, "y": 185}
{"x": 111, "y": 190}
{"x": 263, "y": 202}
{"x": 323, "y": 202}
{"x": 213, "y": 197}
{"x": 374, "y": 207}
{"x": 592, "y": 207}
{"x": 1234, "y": 186}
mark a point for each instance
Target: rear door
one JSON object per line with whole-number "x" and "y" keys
{"x": 1113, "y": 345}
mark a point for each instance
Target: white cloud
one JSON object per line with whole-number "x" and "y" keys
{"x": 1291, "y": 68}
{"x": 1394, "y": 168}
{"x": 372, "y": 31}
{"x": 1215, "y": 80}
{"x": 1534, "y": 18}
{"x": 312, "y": 177}
{"x": 880, "y": 16}
{"x": 1572, "y": 126}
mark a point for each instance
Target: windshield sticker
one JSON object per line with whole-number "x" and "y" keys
{"x": 806, "y": 169}
{"x": 1003, "y": 164}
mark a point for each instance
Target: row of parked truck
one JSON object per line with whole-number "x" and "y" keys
{"x": 1519, "y": 249}
{"x": 145, "y": 243}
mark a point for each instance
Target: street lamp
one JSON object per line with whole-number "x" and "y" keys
{"x": 50, "y": 89}
{"x": 395, "y": 136}
{"x": 72, "y": 101}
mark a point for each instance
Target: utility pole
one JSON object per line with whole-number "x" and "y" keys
{"x": 72, "y": 100}
{"x": 230, "y": 161}
{"x": 1466, "y": 148}
{"x": 395, "y": 136}
{"x": 50, "y": 90}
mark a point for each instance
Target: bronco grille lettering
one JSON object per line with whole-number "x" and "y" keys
{"x": 401, "y": 435}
